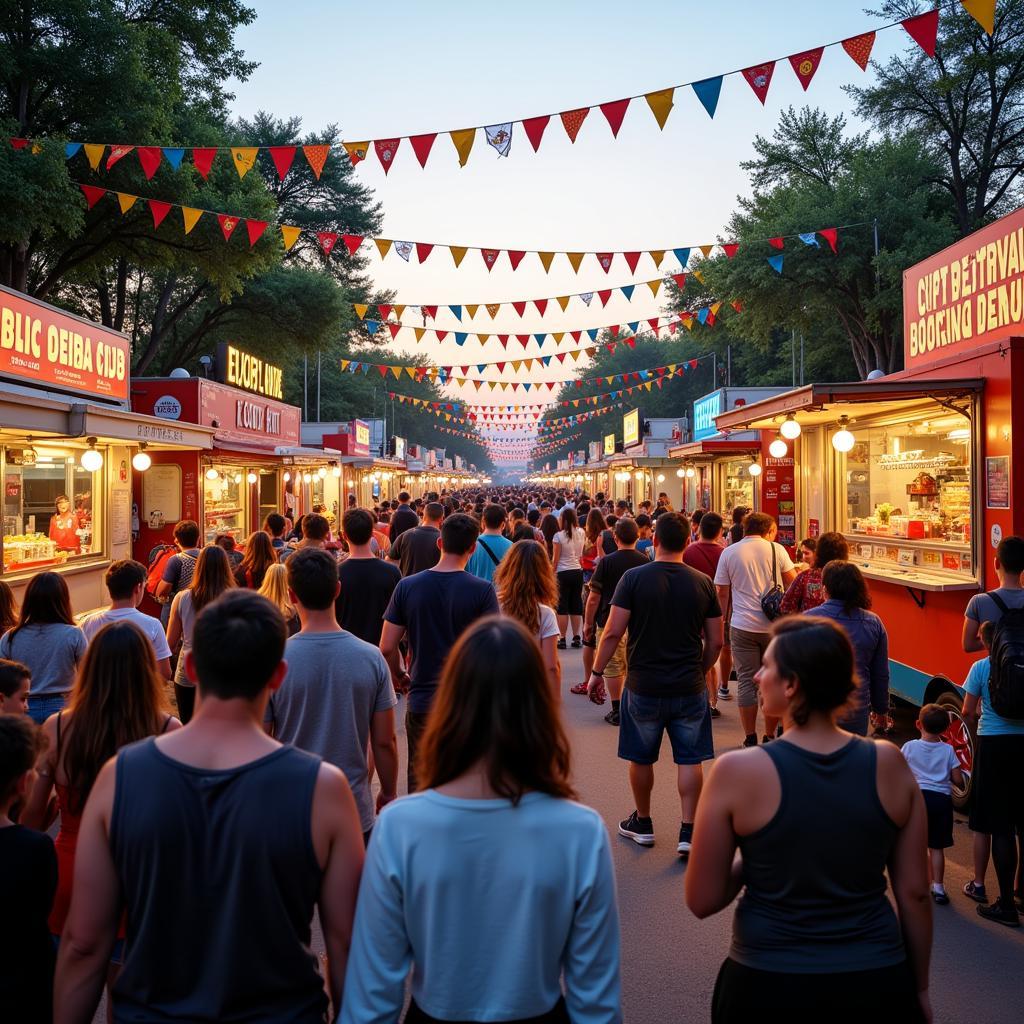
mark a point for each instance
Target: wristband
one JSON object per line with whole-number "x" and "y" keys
{"x": 594, "y": 672}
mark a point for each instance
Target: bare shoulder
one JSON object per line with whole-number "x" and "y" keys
{"x": 740, "y": 767}
{"x": 890, "y": 758}
{"x": 331, "y": 783}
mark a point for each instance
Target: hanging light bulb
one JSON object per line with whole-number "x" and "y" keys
{"x": 690, "y": 472}
{"x": 661, "y": 478}
{"x": 141, "y": 460}
{"x": 680, "y": 472}
{"x": 91, "y": 459}
{"x": 251, "y": 478}
{"x": 336, "y": 471}
{"x": 307, "y": 478}
{"x": 287, "y": 477}
{"x": 238, "y": 478}
{"x": 754, "y": 469}
{"x": 777, "y": 449}
{"x": 790, "y": 429}
{"x": 842, "y": 439}
{"x": 322, "y": 472}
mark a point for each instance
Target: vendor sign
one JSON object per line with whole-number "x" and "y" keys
{"x": 631, "y": 429}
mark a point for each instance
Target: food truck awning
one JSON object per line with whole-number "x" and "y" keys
{"x": 299, "y": 454}
{"x": 712, "y": 447}
{"x": 820, "y": 403}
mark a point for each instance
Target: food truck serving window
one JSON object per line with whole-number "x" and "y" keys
{"x": 908, "y": 492}
{"x": 52, "y": 506}
{"x": 225, "y": 490}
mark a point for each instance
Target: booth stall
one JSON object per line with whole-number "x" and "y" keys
{"x": 643, "y": 468}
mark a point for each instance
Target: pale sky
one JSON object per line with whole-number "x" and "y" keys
{"x": 403, "y": 67}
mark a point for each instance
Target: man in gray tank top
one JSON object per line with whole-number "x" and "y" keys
{"x": 191, "y": 833}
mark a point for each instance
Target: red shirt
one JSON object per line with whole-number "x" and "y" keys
{"x": 62, "y": 530}
{"x": 703, "y": 556}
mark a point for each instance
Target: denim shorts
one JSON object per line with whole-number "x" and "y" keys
{"x": 40, "y": 708}
{"x": 686, "y": 719}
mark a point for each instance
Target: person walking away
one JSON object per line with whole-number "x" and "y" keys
{"x": 433, "y": 608}
{"x": 703, "y": 555}
{"x": 367, "y": 582}
{"x": 258, "y": 558}
{"x": 491, "y": 546}
{"x": 125, "y": 581}
{"x": 527, "y": 591}
{"x": 593, "y": 527}
{"x": 746, "y": 572}
{"x": 495, "y": 766}
{"x": 48, "y": 642}
{"x": 566, "y": 550}
{"x": 274, "y": 527}
{"x": 212, "y": 577}
{"x": 15, "y": 682}
{"x": 226, "y": 951}
{"x": 936, "y": 770}
{"x": 549, "y": 527}
{"x": 28, "y": 864}
{"x": 402, "y": 518}
{"x": 177, "y": 574}
{"x": 675, "y": 634}
{"x": 417, "y": 549}
{"x": 336, "y": 700}
{"x": 818, "y": 817}
{"x": 645, "y": 540}
{"x": 806, "y": 592}
{"x": 316, "y": 532}
{"x": 611, "y": 569}
{"x": 275, "y": 590}
{"x": 997, "y": 798}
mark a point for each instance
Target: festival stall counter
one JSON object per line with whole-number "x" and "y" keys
{"x": 643, "y": 468}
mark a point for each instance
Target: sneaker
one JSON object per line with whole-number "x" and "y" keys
{"x": 1001, "y": 913}
{"x": 715, "y": 713}
{"x": 733, "y": 677}
{"x": 685, "y": 839}
{"x": 561, "y": 643}
{"x": 640, "y": 830}
{"x": 612, "y": 718}
{"x": 766, "y": 738}
{"x": 723, "y": 693}
{"x": 939, "y": 895}
{"x": 577, "y": 641}
{"x": 975, "y": 892}
{"x": 750, "y": 741}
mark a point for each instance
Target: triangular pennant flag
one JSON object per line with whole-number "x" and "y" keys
{"x": 386, "y": 150}
{"x": 632, "y": 259}
{"x": 283, "y": 156}
{"x": 660, "y": 103}
{"x": 657, "y": 255}
{"x": 117, "y": 153}
{"x": 859, "y": 49}
{"x": 255, "y": 229}
{"x": 71, "y": 149}
{"x": 633, "y": 326}
{"x": 759, "y": 78}
{"x": 655, "y": 286}
{"x": 563, "y": 301}
{"x": 587, "y": 297}
{"x": 545, "y": 259}
{"x": 463, "y": 140}
{"x": 191, "y": 216}
{"x": 730, "y": 249}
{"x": 614, "y": 112}
{"x": 705, "y": 250}
{"x": 159, "y": 210}
{"x": 541, "y": 304}
{"x": 360, "y": 308}
{"x": 93, "y": 194}
{"x": 737, "y": 305}
{"x": 126, "y": 202}
{"x": 831, "y": 235}
{"x": 384, "y": 309}
{"x": 924, "y": 30}
{"x": 456, "y": 312}
{"x": 515, "y": 257}
{"x": 429, "y": 311}
{"x": 809, "y": 238}
{"x": 174, "y": 155}
{"x": 471, "y": 308}
{"x": 316, "y": 157}
{"x": 683, "y": 255}
{"x": 352, "y": 242}
{"x": 423, "y": 250}
{"x": 707, "y": 92}
{"x": 500, "y": 137}
{"x": 697, "y": 274}
{"x": 356, "y": 151}
{"x": 202, "y": 160}
{"x": 458, "y": 252}
{"x": 419, "y": 332}
{"x": 243, "y": 156}
{"x": 394, "y": 329}
{"x": 519, "y": 307}
{"x": 572, "y": 121}
{"x": 605, "y": 260}
{"x": 149, "y": 158}
{"x": 983, "y": 12}
{"x": 490, "y": 257}
{"x": 404, "y": 249}
{"x": 493, "y": 308}
{"x": 604, "y": 296}
{"x": 627, "y": 290}
{"x": 654, "y": 324}
{"x": 534, "y": 128}
{"x": 806, "y": 64}
{"x": 383, "y": 245}
{"x": 575, "y": 259}
{"x": 775, "y": 262}
{"x": 93, "y": 153}
{"x": 372, "y": 326}
{"x": 776, "y": 243}
{"x": 227, "y": 224}
{"x": 421, "y": 146}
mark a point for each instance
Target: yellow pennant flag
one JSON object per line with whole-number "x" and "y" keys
{"x": 458, "y": 253}
{"x": 546, "y": 258}
{"x": 655, "y": 286}
{"x": 575, "y": 259}
{"x": 492, "y": 384}
{"x": 700, "y": 277}
{"x": 461, "y": 381}
{"x": 290, "y": 235}
{"x": 94, "y": 153}
{"x": 575, "y": 355}
{"x": 317, "y": 157}
{"x": 126, "y": 202}
{"x": 493, "y": 308}
{"x": 715, "y": 308}
{"x": 705, "y": 250}
{"x": 477, "y": 384}
{"x": 982, "y": 11}
{"x": 356, "y": 151}
{"x": 471, "y": 309}
{"x": 383, "y": 244}
{"x": 463, "y": 143}
{"x": 399, "y": 310}
{"x": 672, "y": 367}
{"x": 660, "y": 103}
{"x": 563, "y": 301}
{"x": 688, "y": 323}
{"x": 649, "y": 385}
{"x": 345, "y": 363}
{"x": 657, "y": 255}
{"x": 360, "y": 308}
{"x": 517, "y": 364}
{"x": 504, "y": 385}
{"x": 558, "y": 337}
{"x": 411, "y": 371}
{"x": 483, "y": 338}
{"x": 419, "y": 332}
{"x": 244, "y": 158}
{"x": 396, "y": 372}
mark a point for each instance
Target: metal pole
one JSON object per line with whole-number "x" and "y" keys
{"x": 728, "y": 365}
{"x": 801, "y": 357}
{"x": 318, "y": 385}
{"x": 714, "y": 371}
{"x": 877, "y": 283}
{"x": 305, "y": 387}
{"x": 792, "y": 352}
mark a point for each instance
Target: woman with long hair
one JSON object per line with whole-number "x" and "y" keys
{"x": 212, "y": 577}
{"x": 548, "y": 527}
{"x": 566, "y": 551}
{"x": 494, "y": 765}
{"x": 118, "y": 698}
{"x": 47, "y": 640}
{"x": 818, "y": 817}
{"x": 8, "y": 608}
{"x": 275, "y": 590}
{"x": 805, "y": 592}
{"x": 527, "y": 590}
{"x": 258, "y": 558}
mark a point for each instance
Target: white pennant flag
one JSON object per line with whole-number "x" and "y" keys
{"x": 500, "y": 137}
{"x": 404, "y": 249}
{"x": 587, "y": 297}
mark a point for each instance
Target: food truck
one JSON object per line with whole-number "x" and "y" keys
{"x": 916, "y": 468}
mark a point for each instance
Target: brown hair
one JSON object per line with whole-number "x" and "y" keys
{"x": 495, "y": 705}
{"x": 844, "y": 582}
{"x": 259, "y": 557}
{"x": 211, "y": 578}
{"x": 934, "y": 718}
{"x": 524, "y": 580}
{"x": 8, "y": 608}
{"x": 817, "y": 653}
{"x": 46, "y": 601}
{"x": 594, "y": 525}
{"x": 118, "y": 698}
{"x": 830, "y": 547}
{"x": 21, "y": 743}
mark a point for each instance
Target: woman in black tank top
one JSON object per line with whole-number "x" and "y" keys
{"x": 817, "y": 817}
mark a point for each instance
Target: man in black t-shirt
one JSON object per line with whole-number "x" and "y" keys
{"x": 675, "y": 634}
{"x": 610, "y": 569}
{"x": 402, "y": 518}
{"x": 418, "y": 549}
{"x": 367, "y": 582}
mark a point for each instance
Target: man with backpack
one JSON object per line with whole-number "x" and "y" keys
{"x": 491, "y": 545}
{"x": 179, "y": 567}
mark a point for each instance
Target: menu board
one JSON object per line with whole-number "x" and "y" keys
{"x": 997, "y": 481}
{"x": 161, "y": 495}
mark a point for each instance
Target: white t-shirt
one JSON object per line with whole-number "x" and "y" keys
{"x": 548, "y": 623}
{"x": 571, "y": 549}
{"x": 746, "y": 567}
{"x": 931, "y": 764}
{"x": 150, "y": 626}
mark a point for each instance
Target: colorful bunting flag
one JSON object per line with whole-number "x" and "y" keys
{"x": 924, "y": 30}
{"x": 572, "y": 121}
{"x": 159, "y": 210}
{"x": 859, "y": 49}
{"x": 93, "y": 194}
{"x": 534, "y": 129}
{"x": 70, "y": 149}
{"x": 316, "y": 157}
{"x": 173, "y": 155}
{"x": 202, "y": 160}
{"x": 775, "y": 262}
{"x": 356, "y": 151}
{"x": 93, "y": 153}
{"x": 383, "y": 246}
{"x": 190, "y": 217}
{"x": 244, "y": 158}
{"x": 490, "y": 257}
{"x": 806, "y": 64}
{"x": 282, "y": 156}
{"x": 327, "y": 240}
{"x": 545, "y": 259}
{"x": 404, "y": 249}
{"x": 776, "y": 243}
{"x": 614, "y": 112}
{"x": 255, "y": 228}
{"x": 463, "y": 141}
{"x": 708, "y": 91}
{"x": 661, "y": 102}
{"x": 515, "y": 257}
{"x": 458, "y": 252}
{"x": 126, "y": 202}
{"x": 386, "y": 150}
{"x": 352, "y": 242}
{"x": 983, "y": 12}
{"x": 605, "y": 260}
{"x": 830, "y": 235}
{"x": 575, "y": 259}
{"x": 809, "y": 238}
{"x": 423, "y": 250}
{"x": 730, "y": 249}
{"x": 116, "y": 153}
{"x": 421, "y": 146}
{"x": 500, "y": 137}
{"x": 759, "y": 78}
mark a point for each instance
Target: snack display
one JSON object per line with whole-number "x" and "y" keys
{"x": 22, "y": 550}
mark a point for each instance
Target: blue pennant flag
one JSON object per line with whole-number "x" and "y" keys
{"x": 707, "y": 92}
{"x": 592, "y": 334}
{"x": 545, "y": 360}
{"x": 627, "y": 290}
{"x": 372, "y": 326}
{"x": 645, "y": 374}
{"x": 540, "y": 338}
{"x": 775, "y": 262}
{"x": 365, "y": 367}
{"x": 460, "y": 337}
{"x": 809, "y": 238}
{"x": 480, "y": 367}
{"x": 173, "y": 156}
{"x": 457, "y": 310}
{"x": 633, "y": 326}
{"x": 352, "y": 367}
{"x": 527, "y": 385}
{"x": 683, "y": 255}
{"x": 70, "y": 149}
{"x": 702, "y": 315}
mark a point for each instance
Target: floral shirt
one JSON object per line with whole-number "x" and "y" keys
{"x": 804, "y": 593}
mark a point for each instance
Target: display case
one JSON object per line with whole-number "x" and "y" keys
{"x": 737, "y": 485}
{"x": 225, "y": 505}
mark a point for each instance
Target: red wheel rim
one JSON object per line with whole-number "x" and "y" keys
{"x": 958, "y": 736}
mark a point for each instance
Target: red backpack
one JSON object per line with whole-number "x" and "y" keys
{"x": 157, "y": 563}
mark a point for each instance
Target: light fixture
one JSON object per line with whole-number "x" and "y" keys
{"x": 790, "y": 429}
{"x": 238, "y": 478}
{"x": 842, "y": 439}
{"x": 959, "y": 434}
{"x": 661, "y": 478}
{"x": 754, "y": 469}
{"x": 322, "y": 472}
{"x": 91, "y": 460}
{"x": 680, "y": 472}
{"x": 777, "y": 449}
{"x": 690, "y": 472}
{"x": 141, "y": 460}
{"x": 287, "y": 477}
{"x": 251, "y": 478}
{"x": 639, "y": 474}
{"x": 336, "y": 471}
{"x": 212, "y": 474}
{"x": 351, "y": 483}
{"x": 307, "y": 478}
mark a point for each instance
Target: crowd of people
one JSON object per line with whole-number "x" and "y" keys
{"x": 221, "y": 769}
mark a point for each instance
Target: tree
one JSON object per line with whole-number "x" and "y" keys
{"x": 964, "y": 107}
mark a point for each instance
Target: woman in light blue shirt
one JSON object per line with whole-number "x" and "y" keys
{"x": 491, "y": 884}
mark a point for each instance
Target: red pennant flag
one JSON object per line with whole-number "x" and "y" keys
{"x": 203, "y": 160}
{"x": 116, "y": 153}
{"x": 440, "y": 335}
{"x": 352, "y": 242}
{"x": 859, "y": 49}
{"x": 421, "y": 146}
{"x": 423, "y": 250}
{"x": 631, "y": 342}
{"x": 654, "y": 323}
{"x": 610, "y": 346}
{"x": 149, "y": 157}
{"x": 924, "y": 30}
{"x": 730, "y": 249}
{"x": 572, "y": 121}
{"x": 394, "y": 329}
{"x": 523, "y": 339}
{"x": 604, "y": 297}
{"x": 501, "y": 367}
{"x": 632, "y": 258}
{"x": 386, "y": 150}
{"x": 327, "y": 240}
{"x": 680, "y": 280}
{"x": 575, "y": 335}
{"x": 605, "y": 259}
{"x": 614, "y": 330}
{"x": 541, "y": 304}
{"x": 776, "y": 243}
{"x": 806, "y": 64}
{"x": 503, "y": 338}
{"x": 93, "y": 194}
{"x": 490, "y": 257}
{"x": 159, "y": 210}
{"x": 614, "y": 112}
{"x": 282, "y": 157}
{"x": 737, "y": 305}
{"x": 693, "y": 364}
{"x": 759, "y": 78}
{"x": 382, "y": 370}
{"x": 19, "y": 143}
{"x": 534, "y": 128}
{"x": 515, "y": 257}
{"x": 831, "y": 235}
{"x": 385, "y": 310}
{"x": 255, "y": 229}
{"x": 519, "y": 307}
{"x": 430, "y": 311}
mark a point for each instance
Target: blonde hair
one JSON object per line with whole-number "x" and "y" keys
{"x": 275, "y": 590}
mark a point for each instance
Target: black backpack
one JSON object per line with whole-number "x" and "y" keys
{"x": 1006, "y": 661}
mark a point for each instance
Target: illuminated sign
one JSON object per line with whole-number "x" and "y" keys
{"x": 631, "y": 429}
{"x": 362, "y": 434}
{"x": 399, "y": 452}
{"x": 704, "y": 412}
{"x": 609, "y": 444}
{"x": 242, "y": 370}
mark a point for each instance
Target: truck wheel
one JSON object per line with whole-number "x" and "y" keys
{"x": 961, "y": 738}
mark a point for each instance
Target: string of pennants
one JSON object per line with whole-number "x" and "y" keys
{"x": 922, "y": 28}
